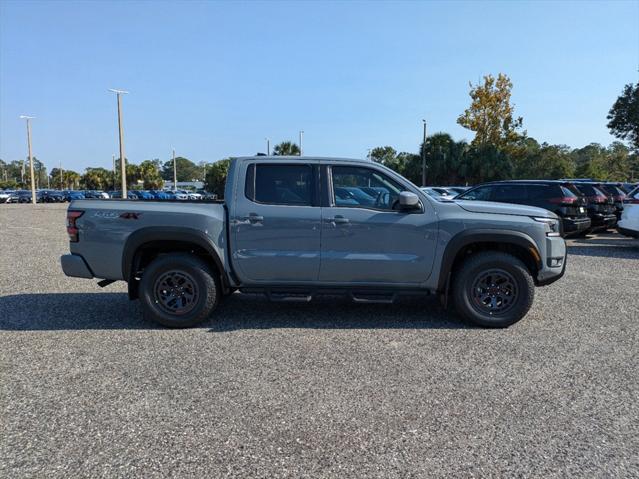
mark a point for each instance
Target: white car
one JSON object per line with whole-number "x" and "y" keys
{"x": 437, "y": 192}
{"x": 629, "y": 223}
{"x": 4, "y": 196}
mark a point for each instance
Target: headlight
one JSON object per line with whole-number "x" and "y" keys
{"x": 552, "y": 224}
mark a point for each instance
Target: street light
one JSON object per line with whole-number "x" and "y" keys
{"x": 174, "y": 172}
{"x": 424, "y": 157}
{"x": 301, "y": 138}
{"x": 119, "y": 93}
{"x": 33, "y": 191}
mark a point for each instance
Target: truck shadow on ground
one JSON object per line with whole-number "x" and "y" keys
{"x": 109, "y": 311}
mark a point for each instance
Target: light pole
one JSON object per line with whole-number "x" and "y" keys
{"x": 113, "y": 162}
{"x": 268, "y": 146}
{"x": 33, "y": 191}
{"x": 301, "y": 138}
{"x": 174, "y": 172}
{"x": 424, "y": 157}
{"x": 119, "y": 94}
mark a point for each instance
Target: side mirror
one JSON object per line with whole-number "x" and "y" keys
{"x": 408, "y": 200}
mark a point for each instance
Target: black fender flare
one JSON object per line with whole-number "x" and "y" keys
{"x": 168, "y": 233}
{"x": 468, "y": 237}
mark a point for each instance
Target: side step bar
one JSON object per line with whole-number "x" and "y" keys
{"x": 357, "y": 296}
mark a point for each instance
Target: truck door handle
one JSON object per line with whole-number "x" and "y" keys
{"x": 339, "y": 220}
{"x": 254, "y": 218}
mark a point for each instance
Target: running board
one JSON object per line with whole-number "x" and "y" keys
{"x": 289, "y": 297}
{"x": 378, "y": 298}
{"x": 362, "y": 296}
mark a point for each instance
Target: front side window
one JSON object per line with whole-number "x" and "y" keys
{"x": 280, "y": 184}
{"x": 364, "y": 187}
{"x": 481, "y": 193}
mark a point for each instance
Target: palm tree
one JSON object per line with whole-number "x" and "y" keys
{"x": 286, "y": 148}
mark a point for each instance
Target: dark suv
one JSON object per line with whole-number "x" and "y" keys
{"x": 557, "y": 196}
{"x": 601, "y": 205}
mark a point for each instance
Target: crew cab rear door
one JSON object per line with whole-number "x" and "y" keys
{"x": 276, "y": 222}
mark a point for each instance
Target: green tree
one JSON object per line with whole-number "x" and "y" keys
{"x": 96, "y": 179}
{"x": 186, "y": 170}
{"x": 149, "y": 173}
{"x": 590, "y": 161}
{"x": 491, "y": 115}
{"x": 624, "y": 116}
{"x": 216, "y": 177}
{"x": 286, "y": 148}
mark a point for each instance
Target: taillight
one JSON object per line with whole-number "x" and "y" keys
{"x": 599, "y": 199}
{"x": 72, "y": 228}
{"x": 565, "y": 200}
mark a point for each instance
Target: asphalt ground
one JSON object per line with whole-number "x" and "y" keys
{"x": 325, "y": 389}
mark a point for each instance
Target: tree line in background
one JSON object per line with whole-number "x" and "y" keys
{"x": 500, "y": 150}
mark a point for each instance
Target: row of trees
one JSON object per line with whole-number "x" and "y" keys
{"x": 501, "y": 149}
{"x": 451, "y": 162}
{"x": 150, "y": 174}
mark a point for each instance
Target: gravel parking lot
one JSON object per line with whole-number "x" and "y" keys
{"x": 325, "y": 389}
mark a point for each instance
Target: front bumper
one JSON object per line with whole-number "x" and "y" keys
{"x": 74, "y": 265}
{"x": 600, "y": 220}
{"x": 551, "y": 271}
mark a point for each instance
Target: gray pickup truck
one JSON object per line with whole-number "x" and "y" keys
{"x": 295, "y": 227}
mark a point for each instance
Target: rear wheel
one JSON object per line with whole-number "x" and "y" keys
{"x": 493, "y": 289}
{"x": 178, "y": 290}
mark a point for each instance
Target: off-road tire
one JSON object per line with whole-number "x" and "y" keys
{"x": 466, "y": 291}
{"x": 196, "y": 273}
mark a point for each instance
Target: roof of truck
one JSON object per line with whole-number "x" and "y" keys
{"x": 298, "y": 158}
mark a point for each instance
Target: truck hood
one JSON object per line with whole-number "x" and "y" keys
{"x": 504, "y": 208}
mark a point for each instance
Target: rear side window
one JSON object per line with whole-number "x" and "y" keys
{"x": 587, "y": 190}
{"x": 507, "y": 193}
{"x": 541, "y": 192}
{"x": 280, "y": 184}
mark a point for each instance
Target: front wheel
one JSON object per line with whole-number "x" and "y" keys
{"x": 178, "y": 290}
{"x": 493, "y": 289}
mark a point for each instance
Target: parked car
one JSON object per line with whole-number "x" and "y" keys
{"x": 283, "y": 232}
{"x": 556, "y": 196}
{"x": 5, "y": 195}
{"x": 161, "y": 195}
{"x": 457, "y": 190}
{"x": 70, "y": 195}
{"x": 178, "y": 194}
{"x": 24, "y": 196}
{"x": 51, "y": 196}
{"x": 129, "y": 194}
{"x": 96, "y": 194}
{"x": 629, "y": 223}
{"x": 618, "y": 195}
{"x": 601, "y": 207}
{"x": 142, "y": 195}
{"x": 437, "y": 193}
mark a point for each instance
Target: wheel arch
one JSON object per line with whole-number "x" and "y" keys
{"x": 469, "y": 242}
{"x": 146, "y": 244}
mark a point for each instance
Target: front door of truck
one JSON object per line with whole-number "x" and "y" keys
{"x": 276, "y": 223}
{"x": 366, "y": 238}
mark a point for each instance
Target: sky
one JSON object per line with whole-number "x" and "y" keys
{"x": 214, "y": 79}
